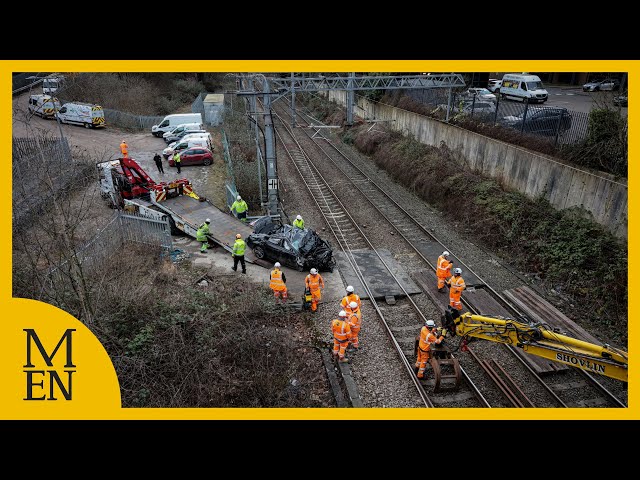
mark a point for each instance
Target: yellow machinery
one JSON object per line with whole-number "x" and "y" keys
{"x": 538, "y": 340}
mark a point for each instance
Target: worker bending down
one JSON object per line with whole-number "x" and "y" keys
{"x": 299, "y": 222}
{"x": 201, "y": 235}
{"x": 277, "y": 282}
{"x": 341, "y": 331}
{"x": 314, "y": 282}
{"x": 427, "y": 339}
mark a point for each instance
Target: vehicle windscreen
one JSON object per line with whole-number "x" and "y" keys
{"x": 534, "y": 85}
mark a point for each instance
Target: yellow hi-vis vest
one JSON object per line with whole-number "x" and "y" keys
{"x": 276, "y": 282}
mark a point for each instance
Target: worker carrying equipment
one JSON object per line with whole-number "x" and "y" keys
{"x": 299, "y": 222}
{"x": 350, "y": 297}
{"x": 241, "y": 207}
{"x": 428, "y": 337}
{"x": 341, "y": 331}
{"x": 201, "y": 235}
{"x": 456, "y": 286}
{"x": 307, "y": 299}
{"x": 443, "y": 270}
{"x": 277, "y": 283}
{"x": 314, "y": 283}
{"x": 354, "y": 319}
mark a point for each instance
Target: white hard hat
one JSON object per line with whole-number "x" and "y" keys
{"x": 238, "y": 197}
{"x": 342, "y": 313}
{"x": 430, "y": 323}
{"x": 208, "y": 220}
{"x": 353, "y": 305}
{"x": 445, "y": 254}
{"x": 277, "y": 264}
{"x": 299, "y": 217}
{"x": 350, "y": 289}
{"x": 313, "y": 271}
{"x": 457, "y": 271}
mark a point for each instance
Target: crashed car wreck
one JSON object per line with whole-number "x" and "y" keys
{"x": 301, "y": 249}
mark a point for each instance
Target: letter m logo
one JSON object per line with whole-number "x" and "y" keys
{"x": 32, "y": 337}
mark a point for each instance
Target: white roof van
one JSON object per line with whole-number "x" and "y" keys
{"x": 85, "y": 114}
{"x": 44, "y": 105}
{"x": 523, "y": 87}
{"x": 171, "y": 121}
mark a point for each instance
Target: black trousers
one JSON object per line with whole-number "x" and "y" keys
{"x": 178, "y": 166}
{"x": 239, "y": 258}
{"x": 160, "y": 169}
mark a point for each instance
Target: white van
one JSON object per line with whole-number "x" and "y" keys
{"x": 184, "y": 144}
{"x": 43, "y": 105}
{"x": 50, "y": 85}
{"x": 205, "y": 135}
{"x": 179, "y": 131}
{"x": 85, "y": 114}
{"x": 523, "y": 87}
{"x": 171, "y": 121}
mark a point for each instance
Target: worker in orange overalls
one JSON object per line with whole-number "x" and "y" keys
{"x": 350, "y": 297}
{"x": 427, "y": 339}
{"x": 456, "y": 286}
{"x": 277, "y": 282}
{"x": 341, "y": 331}
{"x": 124, "y": 149}
{"x": 443, "y": 270}
{"x": 354, "y": 317}
{"x": 314, "y": 282}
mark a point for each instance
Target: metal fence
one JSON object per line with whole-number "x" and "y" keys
{"x": 558, "y": 124}
{"x": 198, "y": 104}
{"x": 230, "y": 188}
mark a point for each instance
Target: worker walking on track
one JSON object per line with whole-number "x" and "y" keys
{"x": 456, "y": 286}
{"x": 354, "y": 319}
{"x": 201, "y": 235}
{"x": 124, "y": 149}
{"x": 350, "y": 297}
{"x": 428, "y": 338}
{"x": 277, "y": 282}
{"x": 241, "y": 207}
{"x": 299, "y": 222}
{"x": 314, "y": 282}
{"x": 443, "y": 270}
{"x": 341, "y": 331}
{"x": 238, "y": 253}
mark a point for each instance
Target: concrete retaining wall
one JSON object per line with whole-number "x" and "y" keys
{"x": 531, "y": 173}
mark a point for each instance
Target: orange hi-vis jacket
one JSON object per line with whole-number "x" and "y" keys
{"x": 349, "y": 312}
{"x": 124, "y": 149}
{"x": 314, "y": 282}
{"x": 427, "y": 338}
{"x": 457, "y": 286}
{"x": 340, "y": 329}
{"x": 352, "y": 297}
{"x": 354, "y": 321}
{"x": 444, "y": 267}
{"x": 276, "y": 282}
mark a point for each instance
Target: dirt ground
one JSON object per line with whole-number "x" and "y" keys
{"x": 104, "y": 144}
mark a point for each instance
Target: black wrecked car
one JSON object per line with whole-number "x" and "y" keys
{"x": 293, "y": 247}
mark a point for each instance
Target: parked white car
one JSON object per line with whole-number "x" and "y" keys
{"x": 494, "y": 85}
{"x": 481, "y": 94}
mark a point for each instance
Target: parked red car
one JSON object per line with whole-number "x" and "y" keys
{"x": 194, "y": 156}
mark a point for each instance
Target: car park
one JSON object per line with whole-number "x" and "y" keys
{"x": 297, "y": 248}
{"x": 540, "y": 120}
{"x": 193, "y": 156}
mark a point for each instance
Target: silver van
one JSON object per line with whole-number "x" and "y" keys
{"x": 180, "y": 131}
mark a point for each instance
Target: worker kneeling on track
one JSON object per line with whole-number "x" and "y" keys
{"x": 277, "y": 282}
{"x": 341, "y": 331}
{"x": 354, "y": 317}
{"x": 428, "y": 337}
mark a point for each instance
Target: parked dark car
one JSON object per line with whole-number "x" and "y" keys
{"x": 301, "y": 249}
{"x": 620, "y": 100}
{"x": 541, "y": 120}
{"x": 193, "y": 156}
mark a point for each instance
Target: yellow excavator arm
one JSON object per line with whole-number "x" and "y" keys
{"x": 538, "y": 340}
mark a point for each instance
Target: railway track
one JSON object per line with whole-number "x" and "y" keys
{"x": 349, "y": 236}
